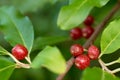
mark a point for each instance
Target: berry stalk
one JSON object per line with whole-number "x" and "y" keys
{"x": 18, "y": 63}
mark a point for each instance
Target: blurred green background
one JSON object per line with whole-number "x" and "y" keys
{"x": 43, "y": 15}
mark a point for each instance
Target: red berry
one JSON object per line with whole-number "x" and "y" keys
{"x": 93, "y": 52}
{"x": 76, "y": 33}
{"x": 82, "y": 62}
{"x": 89, "y": 21}
{"x": 76, "y": 50}
{"x": 87, "y": 32}
{"x": 19, "y": 52}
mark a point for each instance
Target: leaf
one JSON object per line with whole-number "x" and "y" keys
{"x": 97, "y": 74}
{"x": 3, "y": 51}
{"x": 6, "y": 68}
{"x": 97, "y": 11}
{"x": 50, "y": 58}
{"x": 110, "y": 38}
{"x": 118, "y": 60}
{"x": 41, "y": 42}
{"x": 71, "y": 1}
{"x": 30, "y": 5}
{"x": 99, "y": 3}
{"x": 74, "y": 14}
{"x": 16, "y": 28}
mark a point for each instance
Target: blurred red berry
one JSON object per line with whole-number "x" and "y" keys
{"x": 19, "y": 52}
{"x": 93, "y": 52}
{"x": 76, "y": 50}
{"x": 87, "y": 31}
{"x": 82, "y": 61}
{"x": 89, "y": 20}
{"x": 76, "y": 33}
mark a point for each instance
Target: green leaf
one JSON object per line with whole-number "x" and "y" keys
{"x": 6, "y": 68}
{"x": 74, "y": 14}
{"x": 99, "y": 3}
{"x": 27, "y": 5}
{"x": 3, "y": 51}
{"x": 118, "y": 60}
{"x": 30, "y": 5}
{"x": 50, "y": 58}
{"x": 110, "y": 38}
{"x": 97, "y": 74}
{"x": 71, "y": 1}
{"x": 16, "y": 28}
{"x": 105, "y": 9}
{"x": 41, "y": 42}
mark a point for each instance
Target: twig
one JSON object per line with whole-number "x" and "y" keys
{"x": 113, "y": 62}
{"x": 99, "y": 28}
{"x": 104, "y": 67}
{"x": 116, "y": 70}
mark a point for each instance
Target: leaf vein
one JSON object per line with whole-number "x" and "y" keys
{"x": 111, "y": 42}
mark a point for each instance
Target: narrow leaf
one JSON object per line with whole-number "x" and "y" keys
{"x": 16, "y": 28}
{"x": 6, "y": 68}
{"x": 41, "y": 42}
{"x": 3, "y": 51}
{"x": 111, "y": 37}
{"x": 97, "y": 74}
{"x": 50, "y": 58}
{"x": 74, "y": 14}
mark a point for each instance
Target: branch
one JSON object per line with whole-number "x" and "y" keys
{"x": 99, "y": 28}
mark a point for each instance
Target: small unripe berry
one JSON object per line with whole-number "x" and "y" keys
{"x": 19, "y": 52}
{"x": 76, "y": 50}
{"x": 87, "y": 32}
{"x": 93, "y": 52}
{"x": 82, "y": 61}
{"x": 89, "y": 21}
{"x": 76, "y": 33}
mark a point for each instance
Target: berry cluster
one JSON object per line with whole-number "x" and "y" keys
{"x": 82, "y": 61}
{"x": 19, "y": 52}
{"x": 86, "y": 32}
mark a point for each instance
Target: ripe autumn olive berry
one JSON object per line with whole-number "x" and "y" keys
{"x": 76, "y": 50}
{"x": 93, "y": 52}
{"x": 89, "y": 20}
{"x": 82, "y": 61}
{"x": 87, "y": 31}
{"x": 19, "y": 52}
{"x": 76, "y": 33}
